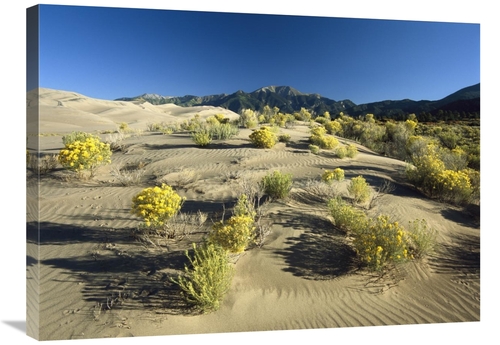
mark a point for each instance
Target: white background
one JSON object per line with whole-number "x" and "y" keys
{"x": 12, "y": 200}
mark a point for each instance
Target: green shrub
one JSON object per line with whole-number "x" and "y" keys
{"x": 87, "y": 154}
{"x": 341, "y": 152}
{"x": 351, "y": 151}
{"x": 208, "y": 277}
{"x": 124, "y": 127}
{"x": 284, "y": 138}
{"x": 223, "y": 131}
{"x": 314, "y": 149}
{"x": 156, "y": 205}
{"x": 381, "y": 242}
{"x": 422, "y": 237}
{"x": 78, "y": 136}
{"x": 277, "y": 185}
{"x": 263, "y": 138}
{"x": 359, "y": 189}
{"x": 233, "y": 235}
{"x": 336, "y": 174}
{"x": 345, "y": 216}
{"x": 202, "y": 137}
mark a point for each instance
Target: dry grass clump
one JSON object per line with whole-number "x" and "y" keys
{"x": 128, "y": 177}
{"x": 41, "y": 164}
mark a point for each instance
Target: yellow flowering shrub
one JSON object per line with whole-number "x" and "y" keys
{"x": 156, "y": 205}
{"x": 87, "y": 154}
{"x": 333, "y": 127}
{"x": 336, "y": 174}
{"x": 235, "y": 234}
{"x": 263, "y": 138}
{"x": 314, "y": 149}
{"x": 382, "y": 242}
{"x": 320, "y": 138}
{"x": 453, "y": 185}
{"x": 359, "y": 189}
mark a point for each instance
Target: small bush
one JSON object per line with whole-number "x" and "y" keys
{"x": 85, "y": 155}
{"x": 351, "y": 151}
{"x": 314, "y": 149}
{"x": 341, "y": 152}
{"x": 78, "y": 136}
{"x": 156, "y": 205}
{"x": 359, "y": 189}
{"x": 336, "y": 174}
{"x": 208, "y": 277}
{"x": 277, "y": 185}
{"x": 345, "y": 216}
{"x": 201, "y": 137}
{"x": 263, "y": 138}
{"x": 382, "y": 242}
{"x": 284, "y": 138}
{"x": 223, "y": 131}
{"x": 124, "y": 127}
{"x": 235, "y": 234}
{"x": 422, "y": 237}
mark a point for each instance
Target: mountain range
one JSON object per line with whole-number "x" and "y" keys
{"x": 290, "y": 100}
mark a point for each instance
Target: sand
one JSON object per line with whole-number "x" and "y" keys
{"x": 96, "y": 280}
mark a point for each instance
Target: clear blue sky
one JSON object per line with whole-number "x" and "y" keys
{"x": 109, "y": 53}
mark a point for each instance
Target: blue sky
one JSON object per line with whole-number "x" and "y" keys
{"x": 109, "y": 53}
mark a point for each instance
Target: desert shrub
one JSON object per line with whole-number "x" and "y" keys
{"x": 328, "y": 142}
{"x": 381, "y": 242}
{"x": 78, "y": 136}
{"x": 201, "y": 137}
{"x": 156, "y": 205}
{"x": 453, "y": 186}
{"x": 127, "y": 177}
{"x": 123, "y": 127}
{"x": 333, "y": 127}
{"x": 359, "y": 189}
{"x": 449, "y": 139}
{"x": 351, "y": 151}
{"x": 207, "y": 278}
{"x": 341, "y": 152}
{"x": 41, "y": 164}
{"x": 336, "y": 174}
{"x": 248, "y": 118}
{"x": 455, "y": 159}
{"x": 345, "y": 216}
{"x": 314, "y": 149}
{"x": 284, "y": 138}
{"x": 277, "y": 185}
{"x": 89, "y": 154}
{"x": 115, "y": 141}
{"x": 422, "y": 238}
{"x": 245, "y": 207}
{"x": 320, "y": 138}
{"x": 263, "y": 138}
{"x": 223, "y": 131}
{"x": 233, "y": 235}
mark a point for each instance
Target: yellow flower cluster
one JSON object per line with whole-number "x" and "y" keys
{"x": 320, "y": 138}
{"x": 382, "y": 241}
{"x": 155, "y": 205}
{"x": 263, "y": 138}
{"x": 85, "y": 155}
{"x": 329, "y": 176}
{"x": 235, "y": 234}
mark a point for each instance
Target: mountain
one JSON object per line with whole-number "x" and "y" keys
{"x": 286, "y": 98}
{"x": 290, "y": 100}
{"x": 464, "y": 100}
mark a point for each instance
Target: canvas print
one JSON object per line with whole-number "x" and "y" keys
{"x": 198, "y": 172}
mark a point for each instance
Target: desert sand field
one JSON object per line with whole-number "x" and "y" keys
{"x": 96, "y": 279}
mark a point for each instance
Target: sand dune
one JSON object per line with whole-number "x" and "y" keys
{"x": 97, "y": 281}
